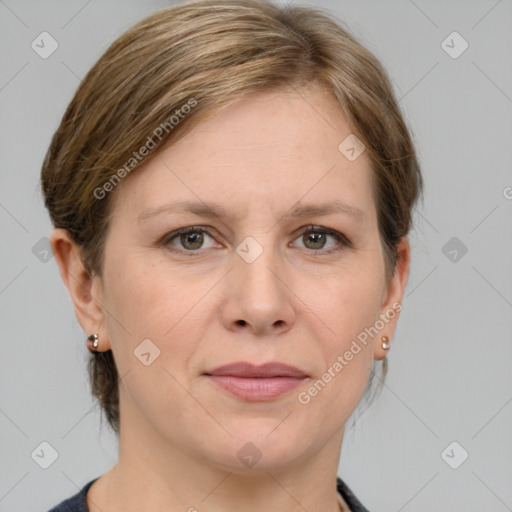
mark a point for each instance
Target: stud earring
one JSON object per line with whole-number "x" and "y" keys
{"x": 385, "y": 344}
{"x": 92, "y": 343}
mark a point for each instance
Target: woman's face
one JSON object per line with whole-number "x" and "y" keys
{"x": 249, "y": 286}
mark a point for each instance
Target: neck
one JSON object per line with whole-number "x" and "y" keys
{"x": 156, "y": 474}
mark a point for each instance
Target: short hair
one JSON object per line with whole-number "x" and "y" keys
{"x": 187, "y": 63}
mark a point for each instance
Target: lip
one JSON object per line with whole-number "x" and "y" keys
{"x": 248, "y": 370}
{"x": 257, "y": 383}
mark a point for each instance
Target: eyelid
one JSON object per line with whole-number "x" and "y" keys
{"x": 327, "y": 231}
{"x": 166, "y": 239}
{"x": 343, "y": 241}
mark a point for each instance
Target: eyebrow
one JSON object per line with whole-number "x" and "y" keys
{"x": 212, "y": 210}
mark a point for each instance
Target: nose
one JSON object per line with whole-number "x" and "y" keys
{"x": 257, "y": 295}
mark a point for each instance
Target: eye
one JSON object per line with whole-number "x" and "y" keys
{"x": 190, "y": 239}
{"x": 315, "y": 237}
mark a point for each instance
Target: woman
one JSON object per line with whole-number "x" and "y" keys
{"x": 231, "y": 189}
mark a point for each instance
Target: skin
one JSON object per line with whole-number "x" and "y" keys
{"x": 300, "y": 304}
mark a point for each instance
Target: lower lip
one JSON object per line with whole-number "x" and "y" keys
{"x": 256, "y": 389}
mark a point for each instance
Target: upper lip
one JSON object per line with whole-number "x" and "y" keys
{"x": 248, "y": 370}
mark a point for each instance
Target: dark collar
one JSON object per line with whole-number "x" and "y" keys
{"x": 350, "y": 498}
{"x": 78, "y": 502}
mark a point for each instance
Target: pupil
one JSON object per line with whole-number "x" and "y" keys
{"x": 315, "y": 237}
{"x": 193, "y": 238}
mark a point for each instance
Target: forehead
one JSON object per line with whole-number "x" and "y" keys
{"x": 271, "y": 148}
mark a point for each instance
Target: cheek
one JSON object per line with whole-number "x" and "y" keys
{"x": 145, "y": 305}
{"x": 147, "y": 301}
{"x": 143, "y": 298}
{"x": 141, "y": 304}
{"x": 349, "y": 309}
{"x": 351, "y": 302}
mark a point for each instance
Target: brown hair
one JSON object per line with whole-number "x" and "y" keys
{"x": 208, "y": 54}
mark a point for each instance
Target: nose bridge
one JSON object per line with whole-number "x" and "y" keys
{"x": 258, "y": 261}
{"x": 257, "y": 293}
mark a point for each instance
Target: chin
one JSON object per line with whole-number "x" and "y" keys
{"x": 259, "y": 447}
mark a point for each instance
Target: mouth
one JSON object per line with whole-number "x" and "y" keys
{"x": 257, "y": 383}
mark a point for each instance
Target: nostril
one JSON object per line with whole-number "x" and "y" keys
{"x": 241, "y": 322}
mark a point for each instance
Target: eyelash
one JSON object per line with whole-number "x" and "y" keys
{"x": 343, "y": 241}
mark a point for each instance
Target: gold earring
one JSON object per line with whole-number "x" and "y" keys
{"x": 385, "y": 344}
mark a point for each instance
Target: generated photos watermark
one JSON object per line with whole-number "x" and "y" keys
{"x": 304, "y": 397}
{"x": 138, "y": 156}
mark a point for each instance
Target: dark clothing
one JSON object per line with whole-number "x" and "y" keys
{"x": 78, "y": 503}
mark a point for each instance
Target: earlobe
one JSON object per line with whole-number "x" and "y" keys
{"x": 392, "y": 303}
{"x": 78, "y": 282}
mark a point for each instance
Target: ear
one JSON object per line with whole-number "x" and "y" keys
{"x": 392, "y": 297}
{"x": 85, "y": 290}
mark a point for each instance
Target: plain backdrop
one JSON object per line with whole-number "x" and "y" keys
{"x": 449, "y": 390}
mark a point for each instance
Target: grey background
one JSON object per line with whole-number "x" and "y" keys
{"x": 449, "y": 377}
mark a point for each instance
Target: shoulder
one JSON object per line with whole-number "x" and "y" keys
{"x": 349, "y": 497}
{"x": 76, "y": 503}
